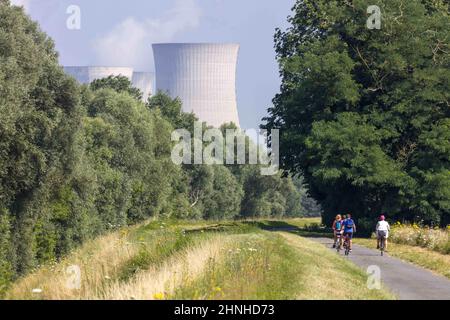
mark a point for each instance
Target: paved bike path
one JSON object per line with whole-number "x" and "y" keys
{"x": 407, "y": 281}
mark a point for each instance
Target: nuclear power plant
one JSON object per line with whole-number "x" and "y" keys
{"x": 144, "y": 81}
{"x": 202, "y": 75}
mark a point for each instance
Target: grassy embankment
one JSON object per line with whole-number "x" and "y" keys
{"x": 184, "y": 260}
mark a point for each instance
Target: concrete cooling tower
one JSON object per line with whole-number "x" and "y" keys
{"x": 86, "y": 75}
{"x": 202, "y": 75}
{"x": 144, "y": 82}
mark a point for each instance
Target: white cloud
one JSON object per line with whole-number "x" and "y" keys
{"x": 129, "y": 43}
{"x": 24, "y": 3}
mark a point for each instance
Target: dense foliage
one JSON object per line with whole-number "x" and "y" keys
{"x": 117, "y": 83}
{"x": 77, "y": 161}
{"x": 365, "y": 114}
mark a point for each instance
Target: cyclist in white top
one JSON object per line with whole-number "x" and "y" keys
{"x": 382, "y": 230}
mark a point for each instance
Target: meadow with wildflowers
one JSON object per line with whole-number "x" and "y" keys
{"x": 436, "y": 239}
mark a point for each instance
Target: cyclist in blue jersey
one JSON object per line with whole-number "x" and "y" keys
{"x": 349, "y": 229}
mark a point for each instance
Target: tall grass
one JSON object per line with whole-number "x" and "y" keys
{"x": 134, "y": 263}
{"x": 104, "y": 262}
{"x": 98, "y": 260}
{"x": 415, "y": 235}
{"x": 256, "y": 267}
{"x": 158, "y": 282}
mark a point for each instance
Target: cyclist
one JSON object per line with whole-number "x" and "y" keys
{"x": 349, "y": 228}
{"x": 344, "y": 217}
{"x": 382, "y": 230}
{"x": 337, "y": 229}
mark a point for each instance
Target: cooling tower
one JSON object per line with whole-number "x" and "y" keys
{"x": 144, "y": 82}
{"x": 86, "y": 75}
{"x": 202, "y": 75}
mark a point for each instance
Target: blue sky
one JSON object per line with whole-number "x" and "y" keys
{"x": 120, "y": 33}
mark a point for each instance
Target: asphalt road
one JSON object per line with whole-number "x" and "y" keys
{"x": 407, "y": 281}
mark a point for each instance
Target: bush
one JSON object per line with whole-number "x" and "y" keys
{"x": 423, "y": 236}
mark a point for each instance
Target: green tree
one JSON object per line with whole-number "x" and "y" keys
{"x": 40, "y": 116}
{"x": 364, "y": 113}
{"x": 118, "y": 84}
{"x": 309, "y": 206}
{"x": 223, "y": 201}
{"x": 172, "y": 111}
{"x": 132, "y": 165}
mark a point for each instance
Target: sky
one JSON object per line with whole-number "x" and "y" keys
{"x": 120, "y": 33}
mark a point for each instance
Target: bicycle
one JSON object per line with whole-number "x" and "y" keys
{"x": 382, "y": 244}
{"x": 347, "y": 245}
{"x": 338, "y": 242}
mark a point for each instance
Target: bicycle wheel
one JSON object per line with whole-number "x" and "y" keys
{"x": 382, "y": 246}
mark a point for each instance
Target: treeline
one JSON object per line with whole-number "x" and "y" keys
{"x": 77, "y": 161}
{"x": 365, "y": 113}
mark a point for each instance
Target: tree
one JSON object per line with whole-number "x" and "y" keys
{"x": 172, "y": 111}
{"x": 362, "y": 112}
{"x": 40, "y": 116}
{"x": 223, "y": 200}
{"x": 118, "y": 84}
{"x": 309, "y": 206}
{"x": 132, "y": 166}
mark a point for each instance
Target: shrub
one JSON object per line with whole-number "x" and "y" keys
{"x": 422, "y": 236}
